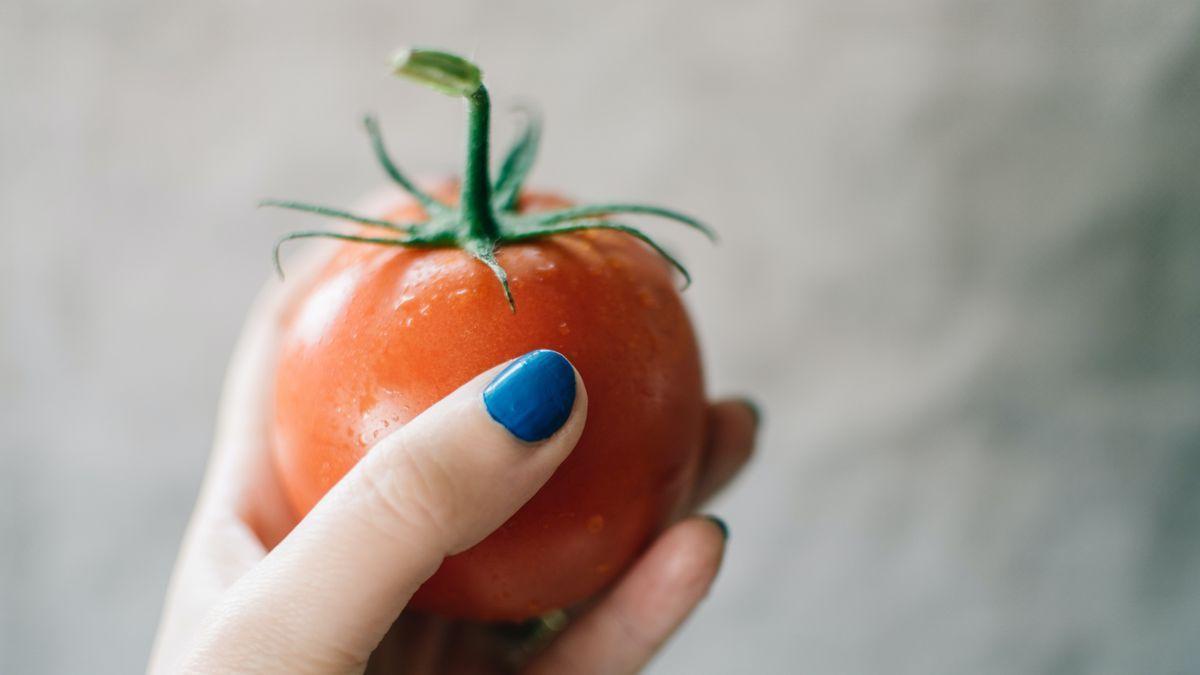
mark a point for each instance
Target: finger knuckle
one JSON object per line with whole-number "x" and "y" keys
{"x": 410, "y": 492}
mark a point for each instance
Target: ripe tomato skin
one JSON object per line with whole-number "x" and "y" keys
{"x": 384, "y": 332}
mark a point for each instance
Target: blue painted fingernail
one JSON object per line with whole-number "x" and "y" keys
{"x": 720, "y": 525}
{"x": 533, "y": 396}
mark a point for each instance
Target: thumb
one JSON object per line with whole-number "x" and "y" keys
{"x": 328, "y": 593}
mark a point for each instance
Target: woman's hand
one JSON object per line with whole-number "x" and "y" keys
{"x": 248, "y": 595}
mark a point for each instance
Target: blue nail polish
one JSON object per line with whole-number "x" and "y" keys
{"x": 720, "y": 525}
{"x": 533, "y": 396}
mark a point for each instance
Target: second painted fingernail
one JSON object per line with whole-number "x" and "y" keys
{"x": 755, "y": 410}
{"x": 721, "y": 525}
{"x": 533, "y": 396}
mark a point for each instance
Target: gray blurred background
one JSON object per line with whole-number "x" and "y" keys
{"x": 960, "y": 268}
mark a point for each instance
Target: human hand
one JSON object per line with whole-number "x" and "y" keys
{"x": 251, "y": 594}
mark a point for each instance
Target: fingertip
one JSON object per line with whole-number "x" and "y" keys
{"x": 682, "y": 565}
{"x": 720, "y": 525}
{"x": 754, "y": 409}
{"x": 732, "y": 429}
{"x": 699, "y": 553}
{"x": 734, "y": 422}
{"x": 742, "y": 414}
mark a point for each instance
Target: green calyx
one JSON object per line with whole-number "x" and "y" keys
{"x": 486, "y": 216}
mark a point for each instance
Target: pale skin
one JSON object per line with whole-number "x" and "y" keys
{"x": 251, "y": 594}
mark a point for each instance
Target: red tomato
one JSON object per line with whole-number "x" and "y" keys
{"x": 385, "y": 331}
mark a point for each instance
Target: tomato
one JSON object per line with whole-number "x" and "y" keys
{"x": 385, "y": 331}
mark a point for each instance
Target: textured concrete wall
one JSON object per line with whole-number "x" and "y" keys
{"x": 960, "y": 266}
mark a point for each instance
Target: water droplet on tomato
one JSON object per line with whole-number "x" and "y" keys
{"x": 595, "y": 524}
{"x": 404, "y": 300}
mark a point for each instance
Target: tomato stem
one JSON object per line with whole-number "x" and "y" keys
{"x": 476, "y": 193}
{"x": 455, "y": 76}
{"x": 487, "y": 215}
